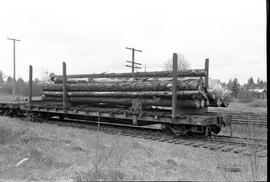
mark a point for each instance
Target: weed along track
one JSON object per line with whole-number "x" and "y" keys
{"x": 217, "y": 143}
{"x": 246, "y": 118}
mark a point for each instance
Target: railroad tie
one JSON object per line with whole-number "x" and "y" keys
{"x": 212, "y": 146}
{"x": 215, "y": 147}
{"x": 227, "y": 148}
{"x": 114, "y": 132}
{"x": 262, "y": 153}
{"x": 171, "y": 140}
{"x": 188, "y": 142}
{"x": 140, "y": 136}
{"x": 163, "y": 139}
{"x": 155, "y": 137}
{"x": 179, "y": 141}
{"x": 133, "y": 134}
{"x": 246, "y": 153}
{"x": 261, "y": 149}
{"x": 238, "y": 150}
{"x": 126, "y": 134}
{"x": 198, "y": 144}
{"x": 148, "y": 137}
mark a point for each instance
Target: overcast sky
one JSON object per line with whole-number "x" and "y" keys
{"x": 91, "y": 36}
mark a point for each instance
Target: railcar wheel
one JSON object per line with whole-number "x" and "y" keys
{"x": 214, "y": 129}
{"x": 179, "y": 129}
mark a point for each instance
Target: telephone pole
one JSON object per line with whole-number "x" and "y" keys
{"x": 14, "y": 78}
{"x": 133, "y": 60}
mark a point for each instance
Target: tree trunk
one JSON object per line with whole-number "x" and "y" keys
{"x": 144, "y": 94}
{"x": 211, "y": 95}
{"x": 126, "y": 101}
{"x": 188, "y": 84}
{"x": 186, "y": 73}
{"x": 215, "y": 103}
{"x": 202, "y": 103}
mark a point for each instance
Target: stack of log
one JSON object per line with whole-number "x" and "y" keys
{"x": 148, "y": 90}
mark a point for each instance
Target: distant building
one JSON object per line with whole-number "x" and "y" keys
{"x": 259, "y": 93}
{"x": 216, "y": 86}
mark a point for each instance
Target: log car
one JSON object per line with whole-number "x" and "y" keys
{"x": 179, "y": 118}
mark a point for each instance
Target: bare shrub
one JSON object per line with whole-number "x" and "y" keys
{"x": 21, "y": 88}
{"x": 5, "y": 136}
{"x": 183, "y": 64}
{"x": 111, "y": 156}
{"x": 101, "y": 175}
{"x": 258, "y": 103}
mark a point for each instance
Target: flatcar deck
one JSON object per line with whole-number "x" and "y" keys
{"x": 152, "y": 117}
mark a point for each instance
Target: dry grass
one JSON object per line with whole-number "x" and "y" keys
{"x": 111, "y": 155}
{"x": 64, "y": 153}
{"x": 254, "y": 170}
{"x": 244, "y": 132}
{"x": 258, "y": 103}
{"x": 255, "y": 107}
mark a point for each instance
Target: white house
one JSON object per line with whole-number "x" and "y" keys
{"x": 215, "y": 86}
{"x": 259, "y": 93}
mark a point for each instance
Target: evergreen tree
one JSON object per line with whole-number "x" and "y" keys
{"x": 223, "y": 84}
{"x": 229, "y": 84}
{"x": 259, "y": 83}
{"x": 1, "y": 77}
{"x": 250, "y": 83}
{"x": 9, "y": 79}
{"x": 20, "y": 80}
{"x": 235, "y": 87}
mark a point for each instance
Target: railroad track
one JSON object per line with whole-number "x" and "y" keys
{"x": 246, "y": 118}
{"x": 215, "y": 143}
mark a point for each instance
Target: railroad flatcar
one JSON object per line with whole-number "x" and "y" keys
{"x": 177, "y": 100}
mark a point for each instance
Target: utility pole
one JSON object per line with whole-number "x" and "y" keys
{"x": 14, "y": 74}
{"x": 133, "y": 60}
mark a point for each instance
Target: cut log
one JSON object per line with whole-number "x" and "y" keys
{"x": 188, "y": 84}
{"x": 215, "y": 103}
{"x": 126, "y": 101}
{"x": 211, "y": 95}
{"x": 207, "y": 103}
{"x": 186, "y": 73}
{"x": 225, "y": 102}
{"x": 202, "y": 103}
{"x": 188, "y": 103}
{"x": 164, "y": 94}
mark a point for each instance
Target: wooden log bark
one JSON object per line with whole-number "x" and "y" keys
{"x": 188, "y": 84}
{"x": 211, "y": 95}
{"x": 186, "y": 73}
{"x": 164, "y": 94}
{"x": 215, "y": 103}
{"x": 202, "y": 103}
{"x": 188, "y": 103}
{"x": 126, "y": 101}
{"x": 225, "y": 102}
{"x": 207, "y": 103}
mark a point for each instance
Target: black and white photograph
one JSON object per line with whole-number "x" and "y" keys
{"x": 133, "y": 90}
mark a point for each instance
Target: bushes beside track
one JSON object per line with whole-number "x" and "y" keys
{"x": 21, "y": 88}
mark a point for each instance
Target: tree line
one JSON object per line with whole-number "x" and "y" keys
{"x": 244, "y": 92}
{"x": 6, "y": 86}
{"x": 232, "y": 85}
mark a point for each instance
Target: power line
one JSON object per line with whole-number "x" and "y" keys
{"x": 14, "y": 74}
{"x": 132, "y": 66}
